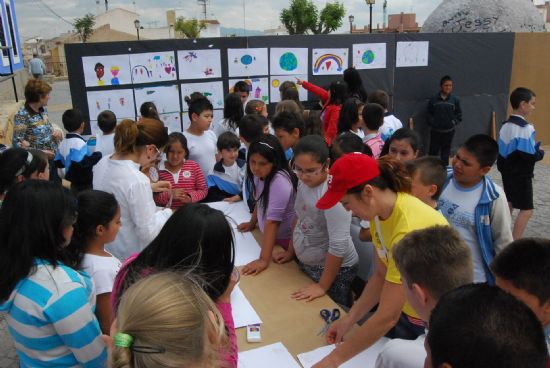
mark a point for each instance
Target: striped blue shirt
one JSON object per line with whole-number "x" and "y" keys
{"x": 50, "y": 316}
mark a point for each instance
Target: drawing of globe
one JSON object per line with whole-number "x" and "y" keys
{"x": 246, "y": 59}
{"x": 368, "y": 57}
{"x": 288, "y": 61}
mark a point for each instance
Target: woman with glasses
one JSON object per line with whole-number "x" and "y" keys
{"x": 136, "y": 145}
{"x": 321, "y": 240}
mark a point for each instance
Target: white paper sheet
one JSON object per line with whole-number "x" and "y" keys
{"x": 172, "y": 121}
{"x": 270, "y": 356}
{"x": 199, "y": 64}
{"x": 410, "y": 54}
{"x": 259, "y": 88}
{"x": 288, "y": 61}
{"x": 369, "y": 56}
{"x": 153, "y": 67}
{"x": 236, "y": 212}
{"x": 243, "y": 312}
{"x": 365, "y": 359}
{"x": 277, "y": 80}
{"x": 115, "y": 70}
{"x": 212, "y": 90}
{"x": 329, "y": 61}
{"x": 247, "y": 62}
{"x": 247, "y": 248}
{"x": 165, "y": 98}
{"x": 120, "y": 101}
{"x": 218, "y": 115}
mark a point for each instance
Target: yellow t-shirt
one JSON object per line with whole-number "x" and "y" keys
{"x": 409, "y": 214}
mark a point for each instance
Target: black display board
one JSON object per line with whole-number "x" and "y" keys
{"x": 480, "y": 65}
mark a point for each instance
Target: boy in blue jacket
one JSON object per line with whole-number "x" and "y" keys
{"x": 73, "y": 160}
{"x": 517, "y": 154}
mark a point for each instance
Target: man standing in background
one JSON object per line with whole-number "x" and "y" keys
{"x": 444, "y": 114}
{"x": 37, "y": 67}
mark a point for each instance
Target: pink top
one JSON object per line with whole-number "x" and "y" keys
{"x": 376, "y": 144}
{"x": 229, "y": 356}
{"x": 189, "y": 178}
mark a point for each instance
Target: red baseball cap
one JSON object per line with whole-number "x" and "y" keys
{"x": 347, "y": 172}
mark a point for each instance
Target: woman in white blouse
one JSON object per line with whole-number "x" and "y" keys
{"x": 135, "y": 145}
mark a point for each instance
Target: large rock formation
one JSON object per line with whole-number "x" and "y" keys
{"x": 455, "y": 16}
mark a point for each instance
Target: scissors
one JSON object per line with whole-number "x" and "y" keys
{"x": 328, "y": 317}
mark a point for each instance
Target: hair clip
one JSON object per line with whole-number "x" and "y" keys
{"x": 123, "y": 340}
{"x": 25, "y": 165}
{"x": 266, "y": 144}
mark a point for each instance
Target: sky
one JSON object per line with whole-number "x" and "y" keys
{"x": 36, "y": 20}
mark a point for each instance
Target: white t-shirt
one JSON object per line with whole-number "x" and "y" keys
{"x": 390, "y": 125}
{"x": 458, "y": 206}
{"x": 320, "y": 232}
{"x": 105, "y": 144}
{"x": 222, "y": 126}
{"x": 102, "y": 270}
{"x": 399, "y": 353}
{"x": 202, "y": 149}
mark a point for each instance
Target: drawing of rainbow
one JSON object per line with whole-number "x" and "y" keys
{"x": 326, "y": 57}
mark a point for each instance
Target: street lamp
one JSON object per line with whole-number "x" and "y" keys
{"x": 370, "y": 3}
{"x": 351, "y": 19}
{"x": 137, "y": 24}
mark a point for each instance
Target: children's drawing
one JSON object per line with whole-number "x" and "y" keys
{"x": 165, "y": 98}
{"x": 120, "y": 101}
{"x": 218, "y": 115}
{"x": 172, "y": 121}
{"x": 259, "y": 88}
{"x": 369, "y": 56}
{"x": 410, "y": 54}
{"x": 199, "y": 64}
{"x": 329, "y": 61}
{"x": 289, "y": 61}
{"x": 247, "y": 62}
{"x": 277, "y": 80}
{"x": 212, "y": 90}
{"x": 117, "y": 68}
{"x": 153, "y": 67}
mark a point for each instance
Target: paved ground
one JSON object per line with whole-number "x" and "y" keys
{"x": 538, "y": 226}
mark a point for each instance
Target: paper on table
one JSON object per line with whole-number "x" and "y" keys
{"x": 236, "y": 212}
{"x": 270, "y": 356}
{"x": 243, "y": 312}
{"x": 412, "y": 54}
{"x": 365, "y": 359}
{"x": 247, "y": 248}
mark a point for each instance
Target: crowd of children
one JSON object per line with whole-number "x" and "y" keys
{"x": 129, "y": 261}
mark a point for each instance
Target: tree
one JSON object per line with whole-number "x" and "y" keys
{"x": 85, "y": 26}
{"x": 302, "y": 17}
{"x": 190, "y": 28}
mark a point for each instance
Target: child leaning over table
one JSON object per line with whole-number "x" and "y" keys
{"x": 321, "y": 239}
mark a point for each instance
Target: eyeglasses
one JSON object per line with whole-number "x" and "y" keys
{"x": 159, "y": 154}
{"x": 309, "y": 173}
